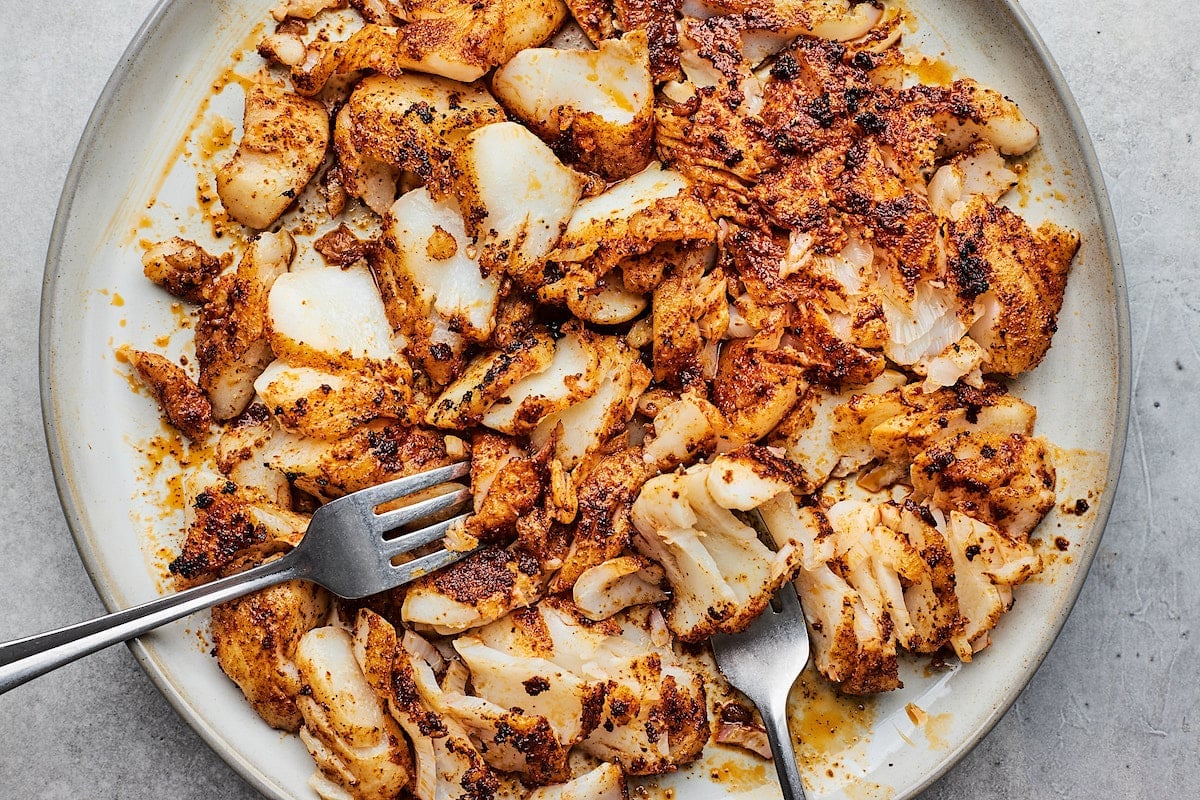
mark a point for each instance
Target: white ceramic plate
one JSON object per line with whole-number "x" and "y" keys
{"x": 95, "y": 298}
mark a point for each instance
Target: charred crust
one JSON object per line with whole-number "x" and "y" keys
{"x": 535, "y": 685}
{"x": 489, "y": 573}
{"x": 785, "y": 68}
{"x": 938, "y": 461}
{"x": 969, "y": 270}
{"x": 225, "y": 529}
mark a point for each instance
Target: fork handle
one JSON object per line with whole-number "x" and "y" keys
{"x": 24, "y": 659}
{"x": 783, "y": 751}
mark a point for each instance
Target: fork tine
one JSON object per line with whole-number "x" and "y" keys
{"x": 424, "y": 565}
{"x": 390, "y": 520}
{"x": 789, "y": 599}
{"x": 410, "y": 484}
{"x": 419, "y": 538}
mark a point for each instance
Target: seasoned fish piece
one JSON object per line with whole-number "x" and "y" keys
{"x": 721, "y": 575}
{"x": 594, "y": 107}
{"x": 447, "y": 763}
{"x": 411, "y": 121}
{"x": 986, "y": 566}
{"x": 981, "y": 170}
{"x": 226, "y": 525}
{"x": 255, "y": 638}
{"x": 181, "y": 401}
{"x": 616, "y": 687}
{"x": 283, "y": 143}
{"x": 753, "y": 391}
{"x": 432, "y": 286}
{"x": 183, "y": 268}
{"x": 617, "y": 584}
{"x": 587, "y": 426}
{"x": 231, "y": 335}
{"x": 242, "y": 452}
{"x": 370, "y": 454}
{"x": 1018, "y": 277}
{"x": 487, "y": 378}
{"x": 1003, "y": 479}
{"x": 605, "y": 782}
{"x": 632, "y": 217}
{"x": 477, "y": 590}
{"x": 330, "y": 402}
{"x": 572, "y": 375}
{"x": 359, "y": 748}
{"x": 303, "y": 9}
{"x": 457, "y": 39}
{"x": 328, "y": 315}
{"x": 358, "y": 174}
{"x": 604, "y": 528}
{"x": 516, "y": 197}
{"x": 690, "y": 315}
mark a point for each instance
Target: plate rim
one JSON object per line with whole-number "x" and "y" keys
{"x": 1108, "y": 226}
{"x": 145, "y": 657}
{"x": 249, "y": 770}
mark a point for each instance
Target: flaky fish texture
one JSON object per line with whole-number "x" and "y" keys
{"x": 614, "y": 687}
{"x": 360, "y": 749}
{"x": 725, "y": 297}
{"x": 256, "y": 639}
{"x": 232, "y": 345}
{"x": 596, "y": 108}
{"x": 283, "y": 143}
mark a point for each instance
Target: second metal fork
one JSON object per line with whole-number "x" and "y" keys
{"x": 763, "y": 662}
{"x": 345, "y": 549}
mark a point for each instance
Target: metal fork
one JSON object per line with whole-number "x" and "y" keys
{"x": 345, "y": 549}
{"x": 764, "y": 661}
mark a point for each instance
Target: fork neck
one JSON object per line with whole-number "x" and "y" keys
{"x": 790, "y": 782}
{"x": 25, "y": 659}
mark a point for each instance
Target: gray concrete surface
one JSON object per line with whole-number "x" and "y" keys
{"x": 1115, "y": 708}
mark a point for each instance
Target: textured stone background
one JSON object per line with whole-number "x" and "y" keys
{"x": 1115, "y": 706}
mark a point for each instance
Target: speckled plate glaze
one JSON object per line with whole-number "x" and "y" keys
{"x": 95, "y": 298}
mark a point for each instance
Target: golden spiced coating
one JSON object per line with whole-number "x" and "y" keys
{"x": 255, "y": 638}
{"x": 182, "y": 402}
{"x": 737, "y": 263}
